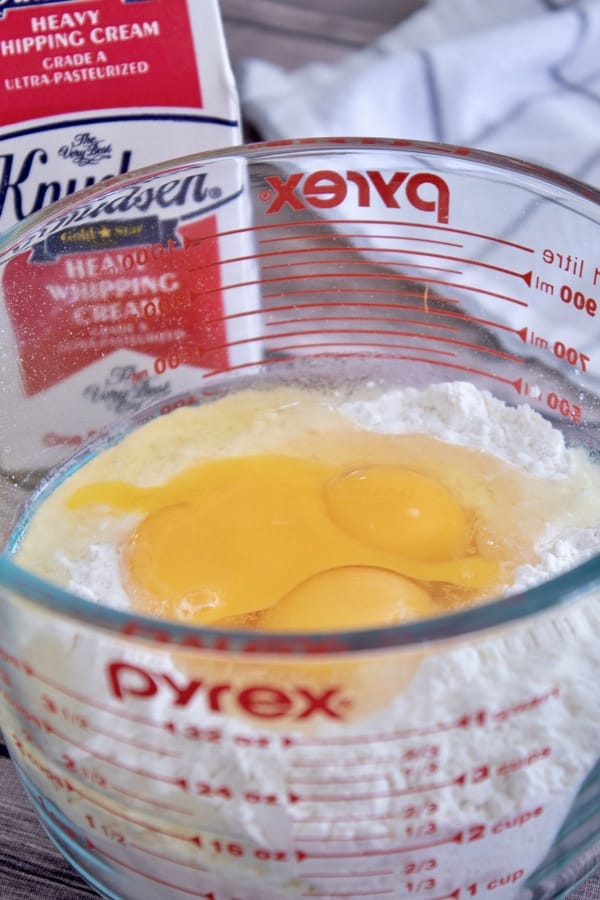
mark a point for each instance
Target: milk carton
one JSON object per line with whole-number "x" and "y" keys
{"x": 98, "y": 312}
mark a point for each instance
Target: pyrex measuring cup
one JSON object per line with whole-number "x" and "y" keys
{"x": 449, "y": 758}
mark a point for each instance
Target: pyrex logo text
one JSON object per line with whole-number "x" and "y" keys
{"x": 326, "y": 188}
{"x": 260, "y": 701}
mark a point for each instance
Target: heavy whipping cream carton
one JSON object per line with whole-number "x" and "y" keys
{"x": 99, "y": 310}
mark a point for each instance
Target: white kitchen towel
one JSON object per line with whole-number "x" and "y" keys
{"x": 518, "y": 77}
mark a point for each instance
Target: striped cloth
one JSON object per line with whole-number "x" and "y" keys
{"x": 518, "y": 77}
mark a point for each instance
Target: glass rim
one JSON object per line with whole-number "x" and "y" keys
{"x": 550, "y": 595}
{"x": 292, "y": 147}
{"x": 557, "y": 592}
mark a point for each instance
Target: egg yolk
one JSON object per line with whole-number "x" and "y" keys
{"x": 287, "y": 542}
{"x": 348, "y": 597}
{"x": 399, "y": 510}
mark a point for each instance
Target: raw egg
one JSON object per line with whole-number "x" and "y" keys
{"x": 290, "y": 542}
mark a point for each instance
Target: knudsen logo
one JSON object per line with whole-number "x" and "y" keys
{"x": 180, "y": 196}
{"x": 260, "y": 700}
{"x": 23, "y": 190}
{"x": 325, "y": 189}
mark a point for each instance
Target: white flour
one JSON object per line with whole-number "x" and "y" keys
{"x": 452, "y": 772}
{"x": 459, "y": 413}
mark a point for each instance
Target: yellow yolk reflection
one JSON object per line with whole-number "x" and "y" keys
{"x": 284, "y": 542}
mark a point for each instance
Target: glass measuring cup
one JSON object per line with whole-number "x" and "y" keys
{"x": 452, "y": 757}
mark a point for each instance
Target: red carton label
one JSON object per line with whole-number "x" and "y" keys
{"x": 70, "y": 56}
{"x": 160, "y": 295}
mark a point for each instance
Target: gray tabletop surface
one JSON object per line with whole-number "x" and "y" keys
{"x": 290, "y": 33}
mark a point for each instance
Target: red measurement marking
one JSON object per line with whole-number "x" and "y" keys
{"x": 379, "y": 795}
{"x": 361, "y": 345}
{"x": 345, "y": 304}
{"x": 139, "y": 745}
{"x": 363, "y": 331}
{"x": 108, "y": 709}
{"x": 24, "y": 712}
{"x": 394, "y": 292}
{"x": 424, "y": 757}
{"x": 379, "y": 873}
{"x": 70, "y": 786}
{"x": 395, "y": 357}
{"x": 352, "y": 740}
{"x": 391, "y": 851}
{"x": 312, "y": 223}
{"x": 365, "y": 262}
{"x": 358, "y": 276}
{"x": 421, "y": 323}
{"x": 385, "y": 332}
{"x": 526, "y": 276}
{"x": 306, "y": 320}
{"x": 143, "y": 798}
{"x": 357, "y": 304}
{"x": 421, "y": 337}
{"x": 144, "y": 874}
{"x": 86, "y": 701}
{"x": 471, "y": 346}
{"x": 169, "y": 859}
{"x": 349, "y": 779}
{"x": 516, "y": 384}
{"x": 342, "y": 820}
{"x": 352, "y": 761}
{"x": 295, "y": 251}
{"x": 284, "y": 359}
{"x": 308, "y": 838}
{"x": 379, "y": 892}
{"x": 119, "y": 765}
{"x": 346, "y": 235}
{"x": 93, "y": 801}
